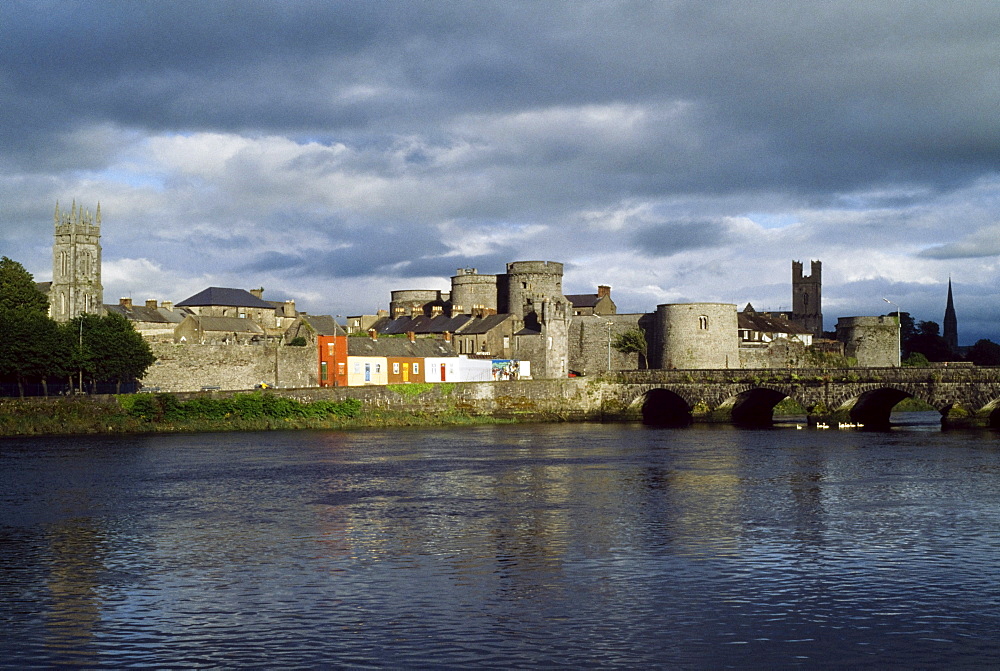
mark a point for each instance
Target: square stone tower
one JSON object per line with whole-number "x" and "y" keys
{"x": 807, "y": 298}
{"x": 76, "y": 264}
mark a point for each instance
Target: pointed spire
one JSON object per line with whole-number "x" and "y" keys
{"x": 950, "y": 321}
{"x": 55, "y": 217}
{"x": 98, "y": 213}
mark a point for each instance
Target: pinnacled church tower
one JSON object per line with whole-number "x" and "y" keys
{"x": 76, "y": 264}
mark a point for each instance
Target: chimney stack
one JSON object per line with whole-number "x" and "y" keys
{"x": 447, "y": 336}
{"x": 167, "y": 305}
{"x": 258, "y": 293}
{"x": 603, "y": 290}
{"x": 151, "y": 303}
{"x": 125, "y": 302}
{"x": 373, "y": 334}
{"x": 411, "y": 336}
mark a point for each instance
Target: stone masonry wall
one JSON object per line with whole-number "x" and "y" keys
{"x": 190, "y": 367}
{"x": 588, "y": 343}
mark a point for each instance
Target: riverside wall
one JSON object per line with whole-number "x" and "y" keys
{"x": 191, "y": 367}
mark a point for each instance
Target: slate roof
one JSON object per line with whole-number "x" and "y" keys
{"x": 484, "y": 324}
{"x": 240, "y": 298}
{"x": 422, "y": 325}
{"x": 583, "y": 300}
{"x": 141, "y": 313}
{"x": 768, "y": 324}
{"x": 324, "y": 325}
{"x": 230, "y": 324}
{"x": 421, "y": 347}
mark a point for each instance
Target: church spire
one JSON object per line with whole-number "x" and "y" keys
{"x": 950, "y": 321}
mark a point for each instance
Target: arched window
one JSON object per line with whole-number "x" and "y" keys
{"x": 703, "y": 322}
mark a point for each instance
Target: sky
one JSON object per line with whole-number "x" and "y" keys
{"x": 332, "y": 152}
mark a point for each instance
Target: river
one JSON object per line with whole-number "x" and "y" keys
{"x": 524, "y": 546}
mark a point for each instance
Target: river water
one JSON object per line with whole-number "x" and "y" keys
{"x": 525, "y": 546}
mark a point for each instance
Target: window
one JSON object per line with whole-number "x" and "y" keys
{"x": 395, "y": 368}
{"x": 416, "y": 368}
{"x": 378, "y": 368}
{"x": 506, "y": 342}
{"x": 703, "y": 322}
{"x": 323, "y": 372}
{"x": 357, "y": 367}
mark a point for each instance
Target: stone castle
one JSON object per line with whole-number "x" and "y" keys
{"x": 520, "y": 315}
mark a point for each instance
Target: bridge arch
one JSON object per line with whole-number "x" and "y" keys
{"x": 662, "y": 407}
{"x": 754, "y": 406}
{"x": 873, "y": 405}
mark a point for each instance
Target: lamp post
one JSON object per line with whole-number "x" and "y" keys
{"x": 609, "y": 345}
{"x": 899, "y": 333}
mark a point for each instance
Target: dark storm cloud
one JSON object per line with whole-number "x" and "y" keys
{"x": 385, "y": 141}
{"x": 672, "y": 238}
{"x": 804, "y": 97}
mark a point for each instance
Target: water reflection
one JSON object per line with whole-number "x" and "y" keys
{"x": 576, "y": 545}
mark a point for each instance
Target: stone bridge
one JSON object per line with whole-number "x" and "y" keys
{"x": 964, "y": 395}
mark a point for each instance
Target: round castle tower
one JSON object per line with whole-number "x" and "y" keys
{"x": 471, "y": 291}
{"x": 535, "y": 287}
{"x": 697, "y": 335}
{"x": 415, "y": 302}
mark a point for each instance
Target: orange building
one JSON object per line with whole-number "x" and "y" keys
{"x": 332, "y": 360}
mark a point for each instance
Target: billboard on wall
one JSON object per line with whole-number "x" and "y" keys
{"x": 506, "y": 369}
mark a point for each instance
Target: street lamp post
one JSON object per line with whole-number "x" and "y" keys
{"x": 899, "y": 333}
{"x": 610, "y": 324}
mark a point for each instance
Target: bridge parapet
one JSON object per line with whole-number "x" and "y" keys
{"x": 964, "y": 395}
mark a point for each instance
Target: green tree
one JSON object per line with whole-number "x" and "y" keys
{"x": 18, "y": 290}
{"x": 631, "y": 341}
{"x": 985, "y": 353}
{"x": 108, "y": 349}
{"x": 928, "y": 342}
{"x": 32, "y": 348}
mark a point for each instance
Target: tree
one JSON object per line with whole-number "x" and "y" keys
{"x": 18, "y": 290}
{"x": 631, "y": 341}
{"x": 928, "y": 342}
{"x": 108, "y": 349}
{"x": 32, "y": 348}
{"x": 985, "y": 353}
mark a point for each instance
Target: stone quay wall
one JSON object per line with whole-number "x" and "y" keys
{"x": 190, "y": 367}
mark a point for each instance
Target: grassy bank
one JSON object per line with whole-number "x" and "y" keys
{"x": 165, "y": 413}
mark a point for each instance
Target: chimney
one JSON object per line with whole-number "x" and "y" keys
{"x": 125, "y": 302}
{"x": 411, "y": 336}
{"x": 603, "y": 290}
{"x": 167, "y": 305}
{"x": 151, "y": 303}
{"x": 290, "y": 308}
{"x": 373, "y": 334}
{"x": 447, "y": 336}
{"x": 258, "y": 293}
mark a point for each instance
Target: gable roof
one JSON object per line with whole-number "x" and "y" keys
{"x": 240, "y": 298}
{"x": 422, "y": 324}
{"x": 230, "y": 324}
{"x": 141, "y": 313}
{"x": 324, "y": 325}
{"x": 422, "y": 347}
{"x": 485, "y": 324}
{"x": 583, "y": 300}
{"x": 768, "y": 324}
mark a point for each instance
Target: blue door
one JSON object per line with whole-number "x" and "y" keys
{"x": 368, "y": 372}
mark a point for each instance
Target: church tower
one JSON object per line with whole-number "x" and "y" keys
{"x": 76, "y": 264}
{"x": 807, "y": 298}
{"x": 951, "y": 322}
